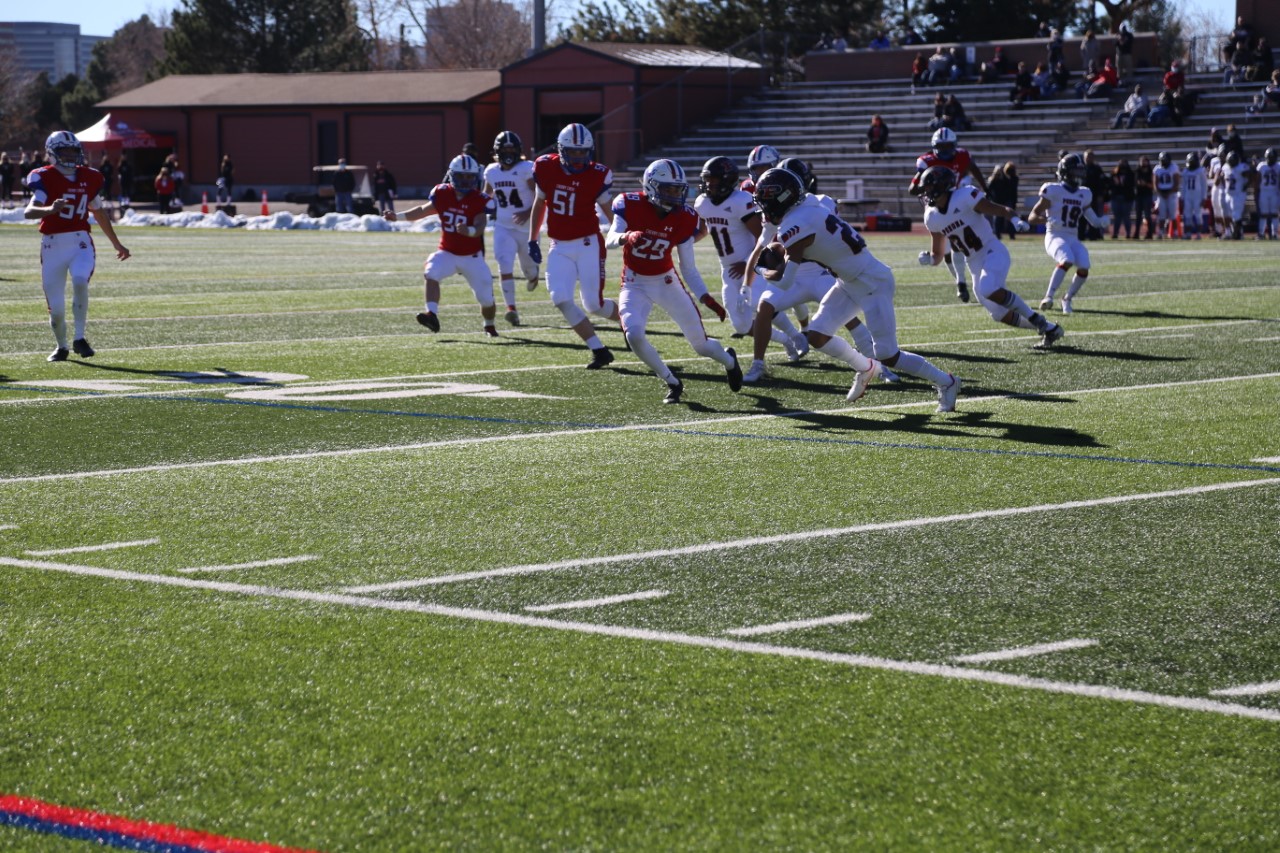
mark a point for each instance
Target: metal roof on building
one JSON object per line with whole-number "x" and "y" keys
{"x": 326, "y": 89}
{"x": 672, "y": 55}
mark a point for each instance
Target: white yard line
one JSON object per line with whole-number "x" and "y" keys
{"x": 798, "y": 536}
{"x": 1268, "y": 460}
{"x": 598, "y": 602}
{"x": 1026, "y": 651}
{"x": 1262, "y": 340}
{"x": 8, "y": 527}
{"x": 86, "y": 549}
{"x": 718, "y": 643}
{"x": 799, "y": 625}
{"x": 689, "y": 425}
{"x": 256, "y": 564}
{"x": 1249, "y": 689}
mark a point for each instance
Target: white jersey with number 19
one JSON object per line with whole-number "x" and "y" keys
{"x": 1066, "y": 207}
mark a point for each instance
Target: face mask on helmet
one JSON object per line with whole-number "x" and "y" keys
{"x": 464, "y": 174}
{"x": 719, "y": 179}
{"x": 507, "y": 148}
{"x": 665, "y": 185}
{"x": 937, "y": 182}
{"x": 761, "y": 159}
{"x": 64, "y": 150}
{"x": 574, "y": 144}
{"x": 777, "y": 192}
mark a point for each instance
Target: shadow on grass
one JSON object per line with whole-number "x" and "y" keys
{"x": 960, "y": 425}
{"x": 224, "y": 376}
{"x": 1150, "y": 314}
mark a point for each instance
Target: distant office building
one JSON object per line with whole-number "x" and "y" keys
{"x": 57, "y": 49}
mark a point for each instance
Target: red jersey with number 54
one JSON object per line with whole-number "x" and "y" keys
{"x": 571, "y": 198}
{"x": 651, "y": 254}
{"x": 455, "y": 211}
{"x": 48, "y": 184}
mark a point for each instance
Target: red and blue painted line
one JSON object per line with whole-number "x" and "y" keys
{"x": 114, "y": 831}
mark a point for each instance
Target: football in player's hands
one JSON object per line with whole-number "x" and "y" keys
{"x": 1020, "y": 225}
{"x": 925, "y": 259}
{"x": 773, "y": 257}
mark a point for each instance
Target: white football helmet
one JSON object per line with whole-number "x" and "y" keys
{"x": 64, "y": 149}
{"x": 575, "y": 147}
{"x": 944, "y": 143}
{"x": 762, "y": 158}
{"x": 464, "y": 174}
{"x": 666, "y": 185}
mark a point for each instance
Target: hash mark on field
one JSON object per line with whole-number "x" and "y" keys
{"x": 1262, "y": 340}
{"x": 779, "y": 627}
{"x": 1268, "y": 460}
{"x": 1162, "y": 337}
{"x": 1026, "y": 651}
{"x": 1117, "y": 694}
{"x": 598, "y": 602}
{"x": 85, "y": 549}
{"x": 1248, "y": 689}
{"x": 256, "y": 564}
{"x": 8, "y": 527}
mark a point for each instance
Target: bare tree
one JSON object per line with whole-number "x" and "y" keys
{"x": 17, "y": 124}
{"x": 471, "y": 33}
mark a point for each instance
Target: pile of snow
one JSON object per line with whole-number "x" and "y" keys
{"x": 282, "y": 221}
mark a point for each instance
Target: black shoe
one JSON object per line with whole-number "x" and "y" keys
{"x": 430, "y": 320}
{"x": 733, "y": 371}
{"x": 81, "y": 348}
{"x": 602, "y": 357}
{"x": 674, "y": 392}
{"x": 1051, "y": 336}
{"x": 962, "y": 291}
{"x": 490, "y": 331}
{"x": 60, "y": 354}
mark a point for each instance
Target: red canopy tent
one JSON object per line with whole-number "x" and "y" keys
{"x": 118, "y": 135}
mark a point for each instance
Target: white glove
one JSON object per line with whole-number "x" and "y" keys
{"x": 1020, "y": 225}
{"x": 1104, "y": 221}
{"x": 925, "y": 259}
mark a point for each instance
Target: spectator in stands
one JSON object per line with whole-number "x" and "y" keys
{"x": 1090, "y": 50}
{"x": 953, "y": 115}
{"x": 1061, "y": 76}
{"x": 939, "y": 67}
{"x": 1100, "y": 185}
{"x": 1001, "y": 62}
{"x": 1241, "y": 58}
{"x": 1161, "y": 112}
{"x": 1271, "y": 92}
{"x": 1099, "y": 84}
{"x": 1241, "y": 36}
{"x": 1263, "y": 62}
{"x": 1174, "y": 78}
{"x": 1135, "y": 107}
{"x": 1042, "y": 32}
{"x": 959, "y": 67}
{"x": 877, "y": 136}
{"x": 1042, "y": 79}
{"x": 1023, "y": 89}
{"x": 1123, "y": 187}
{"x": 1002, "y": 188}
{"x": 912, "y": 38}
{"x": 1231, "y": 141}
{"x": 1144, "y": 189}
{"x": 1124, "y": 51}
{"x": 831, "y": 41}
{"x": 1183, "y": 103}
{"x": 1054, "y": 47}
{"x": 939, "y": 107}
{"x": 919, "y": 71}
{"x": 880, "y": 42}
{"x": 987, "y": 73}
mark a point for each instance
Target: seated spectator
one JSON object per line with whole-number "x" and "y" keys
{"x": 1091, "y": 74}
{"x": 953, "y": 115}
{"x": 1240, "y": 37}
{"x": 959, "y": 67}
{"x": 1001, "y": 63}
{"x": 1061, "y": 76}
{"x": 1023, "y": 88}
{"x": 1241, "y": 58}
{"x": 877, "y": 136}
{"x": 1271, "y": 92}
{"x": 939, "y": 67}
{"x": 880, "y": 42}
{"x": 939, "y": 107}
{"x": 1043, "y": 80}
{"x": 1135, "y": 107}
{"x": 919, "y": 71}
{"x": 1161, "y": 112}
{"x": 1263, "y": 62}
{"x": 987, "y": 73}
{"x": 1174, "y": 78}
{"x": 1100, "y": 84}
{"x": 1183, "y": 104}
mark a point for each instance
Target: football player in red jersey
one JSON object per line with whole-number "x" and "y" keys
{"x": 571, "y": 188}
{"x": 62, "y": 195}
{"x": 760, "y": 159}
{"x": 651, "y": 226}
{"x": 945, "y": 152}
{"x": 463, "y": 210}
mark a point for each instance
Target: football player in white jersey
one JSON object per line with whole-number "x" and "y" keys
{"x": 808, "y": 231}
{"x": 1191, "y": 194}
{"x": 1167, "y": 179}
{"x": 1060, "y": 208}
{"x": 1268, "y": 195}
{"x": 1237, "y": 176}
{"x": 731, "y": 219}
{"x": 957, "y": 219}
{"x": 508, "y": 180}
{"x": 1217, "y": 191}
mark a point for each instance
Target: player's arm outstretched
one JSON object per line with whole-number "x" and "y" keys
{"x": 413, "y": 214}
{"x": 987, "y": 207}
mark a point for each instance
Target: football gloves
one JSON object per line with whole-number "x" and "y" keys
{"x": 535, "y": 252}
{"x": 710, "y": 301}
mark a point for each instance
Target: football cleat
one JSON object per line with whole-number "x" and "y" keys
{"x": 430, "y": 320}
{"x": 490, "y": 331}
{"x": 1052, "y": 336}
{"x": 513, "y": 317}
{"x": 674, "y": 392}
{"x": 531, "y": 284}
{"x": 1066, "y": 305}
{"x": 755, "y": 373}
{"x": 861, "y": 379}
{"x": 887, "y": 375}
{"x": 962, "y": 291}
{"x": 60, "y": 354}
{"x": 602, "y": 357}
{"x": 81, "y": 348}
{"x": 1046, "y": 304}
{"x": 947, "y": 396}
{"x": 734, "y": 371}
{"x": 802, "y": 346}
{"x": 793, "y": 353}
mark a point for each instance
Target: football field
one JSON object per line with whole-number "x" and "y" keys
{"x": 279, "y": 565}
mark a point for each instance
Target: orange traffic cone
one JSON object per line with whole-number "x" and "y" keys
{"x": 1178, "y": 223}
{"x": 204, "y": 202}
{"x": 265, "y": 210}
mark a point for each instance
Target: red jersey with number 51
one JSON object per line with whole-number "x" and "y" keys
{"x": 651, "y": 254}
{"x": 455, "y": 211}
{"x": 571, "y": 198}
{"x": 48, "y": 184}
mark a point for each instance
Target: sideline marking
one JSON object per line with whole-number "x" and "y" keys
{"x": 85, "y": 549}
{"x": 598, "y": 602}
{"x": 590, "y": 430}
{"x": 799, "y": 536}
{"x": 1119, "y": 694}
{"x": 1248, "y": 689}
{"x": 1026, "y": 651}
{"x": 256, "y": 564}
{"x": 779, "y": 627}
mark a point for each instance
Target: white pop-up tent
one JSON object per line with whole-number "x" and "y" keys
{"x": 111, "y": 134}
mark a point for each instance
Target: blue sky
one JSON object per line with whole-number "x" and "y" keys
{"x": 103, "y": 17}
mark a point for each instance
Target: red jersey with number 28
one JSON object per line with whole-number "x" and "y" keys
{"x": 48, "y": 184}
{"x": 455, "y": 211}
{"x": 571, "y": 199}
{"x": 651, "y": 254}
